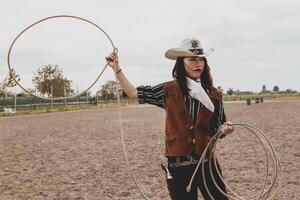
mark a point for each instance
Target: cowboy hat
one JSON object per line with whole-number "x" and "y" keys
{"x": 188, "y": 48}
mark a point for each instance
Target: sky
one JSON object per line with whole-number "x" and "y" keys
{"x": 256, "y": 42}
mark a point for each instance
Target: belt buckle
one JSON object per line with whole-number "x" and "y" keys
{"x": 194, "y": 160}
{"x": 177, "y": 161}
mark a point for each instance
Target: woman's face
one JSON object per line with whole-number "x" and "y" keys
{"x": 194, "y": 66}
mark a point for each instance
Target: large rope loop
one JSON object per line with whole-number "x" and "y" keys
{"x": 10, "y": 67}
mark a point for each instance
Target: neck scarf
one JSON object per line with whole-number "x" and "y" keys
{"x": 197, "y": 92}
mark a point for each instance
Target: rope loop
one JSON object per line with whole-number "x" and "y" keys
{"x": 268, "y": 149}
{"x": 10, "y": 67}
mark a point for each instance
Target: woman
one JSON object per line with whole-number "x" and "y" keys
{"x": 194, "y": 112}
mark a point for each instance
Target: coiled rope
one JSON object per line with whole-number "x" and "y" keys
{"x": 268, "y": 147}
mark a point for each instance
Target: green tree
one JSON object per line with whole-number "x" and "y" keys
{"x": 230, "y": 91}
{"x": 289, "y": 91}
{"x": 50, "y": 79}
{"x": 2, "y": 93}
{"x": 264, "y": 88}
{"x": 124, "y": 95}
{"x": 109, "y": 90}
{"x": 275, "y": 88}
{"x": 8, "y": 82}
{"x": 24, "y": 94}
{"x": 85, "y": 93}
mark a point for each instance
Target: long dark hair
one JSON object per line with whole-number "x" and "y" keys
{"x": 180, "y": 74}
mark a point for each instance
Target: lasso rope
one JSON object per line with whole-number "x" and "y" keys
{"x": 268, "y": 147}
{"x": 118, "y": 94}
{"x": 123, "y": 138}
{"x": 45, "y": 19}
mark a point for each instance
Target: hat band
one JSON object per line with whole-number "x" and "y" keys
{"x": 197, "y": 51}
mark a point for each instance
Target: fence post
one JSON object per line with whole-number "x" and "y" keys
{"x": 15, "y": 101}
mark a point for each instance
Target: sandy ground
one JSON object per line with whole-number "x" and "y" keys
{"x": 78, "y": 155}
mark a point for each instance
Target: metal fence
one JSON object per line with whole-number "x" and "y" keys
{"x": 34, "y": 103}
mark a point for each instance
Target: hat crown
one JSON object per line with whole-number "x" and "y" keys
{"x": 190, "y": 47}
{"x": 192, "y": 43}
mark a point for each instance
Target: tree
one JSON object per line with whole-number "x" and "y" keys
{"x": 49, "y": 79}
{"x": 2, "y": 93}
{"x": 275, "y": 88}
{"x": 264, "y": 88}
{"x": 109, "y": 90}
{"x": 24, "y": 94}
{"x": 230, "y": 91}
{"x": 124, "y": 95}
{"x": 290, "y": 91}
{"x": 84, "y": 94}
{"x": 9, "y": 81}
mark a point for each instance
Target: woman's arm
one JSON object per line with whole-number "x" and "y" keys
{"x": 219, "y": 121}
{"x": 218, "y": 118}
{"x": 129, "y": 89}
{"x": 225, "y": 126}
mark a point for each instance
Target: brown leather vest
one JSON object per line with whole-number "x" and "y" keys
{"x": 182, "y": 136}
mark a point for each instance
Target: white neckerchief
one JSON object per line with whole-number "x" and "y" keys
{"x": 197, "y": 92}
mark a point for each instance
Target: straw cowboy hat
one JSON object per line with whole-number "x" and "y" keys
{"x": 188, "y": 47}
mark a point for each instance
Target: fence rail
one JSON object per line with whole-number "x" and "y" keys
{"x": 32, "y": 104}
{"x": 35, "y": 104}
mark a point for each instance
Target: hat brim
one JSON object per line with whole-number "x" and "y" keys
{"x": 174, "y": 53}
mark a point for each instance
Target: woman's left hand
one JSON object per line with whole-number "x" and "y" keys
{"x": 227, "y": 128}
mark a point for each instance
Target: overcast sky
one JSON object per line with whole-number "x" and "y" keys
{"x": 255, "y": 42}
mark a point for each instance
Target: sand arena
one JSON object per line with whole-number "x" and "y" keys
{"x": 78, "y": 155}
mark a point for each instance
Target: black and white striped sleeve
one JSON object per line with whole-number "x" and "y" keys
{"x": 219, "y": 118}
{"x": 152, "y": 95}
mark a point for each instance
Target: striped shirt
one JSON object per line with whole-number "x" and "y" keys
{"x": 154, "y": 95}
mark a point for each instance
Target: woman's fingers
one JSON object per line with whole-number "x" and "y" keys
{"x": 228, "y": 123}
{"x": 109, "y": 59}
{"x": 112, "y": 59}
{"x": 227, "y": 128}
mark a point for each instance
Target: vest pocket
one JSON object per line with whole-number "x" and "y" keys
{"x": 170, "y": 137}
{"x": 171, "y": 143}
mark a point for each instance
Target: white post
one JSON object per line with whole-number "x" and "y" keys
{"x": 51, "y": 96}
{"x": 78, "y": 99}
{"x": 51, "y": 79}
{"x": 65, "y": 96}
{"x": 96, "y": 99}
{"x": 87, "y": 98}
{"x": 15, "y": 99}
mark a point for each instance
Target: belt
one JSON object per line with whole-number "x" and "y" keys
{"x": 183, "y": 161}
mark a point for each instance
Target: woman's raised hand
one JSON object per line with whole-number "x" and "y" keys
{"x": 113, "y": 61}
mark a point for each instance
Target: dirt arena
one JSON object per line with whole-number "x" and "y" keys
{"x": 78, "y": 155}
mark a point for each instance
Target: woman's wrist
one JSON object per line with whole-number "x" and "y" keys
{"x": 119, "y": 70}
